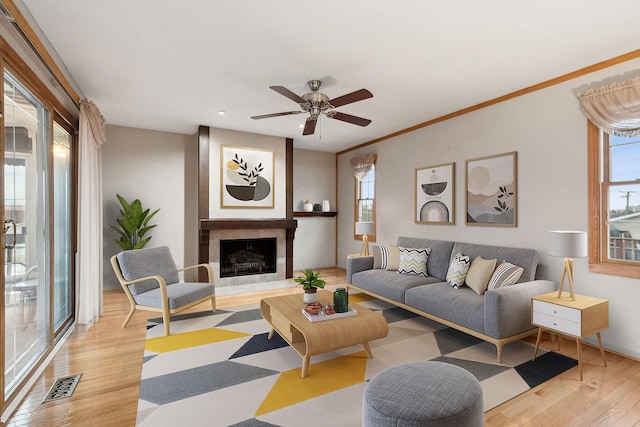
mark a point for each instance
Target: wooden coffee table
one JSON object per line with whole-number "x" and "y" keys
{"x": 284, "y": 314}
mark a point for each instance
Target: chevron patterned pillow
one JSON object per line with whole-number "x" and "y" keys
{"x": 458, "y": 270}
{"x": 414, "y": 261}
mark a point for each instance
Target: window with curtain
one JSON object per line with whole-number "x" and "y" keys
{"x": 614, "y": 177}
{"x": 365, "y": 191}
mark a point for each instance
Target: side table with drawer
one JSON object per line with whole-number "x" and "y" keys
{"x": 577, "y": 319}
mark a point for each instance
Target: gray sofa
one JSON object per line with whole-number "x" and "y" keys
{"x": 498, "y": 316}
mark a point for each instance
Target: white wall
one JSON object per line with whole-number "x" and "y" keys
{"x": 548, "y": 131}
{"x": 191, "y": 218}
{"x": 149, "y": 166}
{"x": 314, "y": 175}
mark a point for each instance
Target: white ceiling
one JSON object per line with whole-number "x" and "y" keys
{"x": 171, "y": 66}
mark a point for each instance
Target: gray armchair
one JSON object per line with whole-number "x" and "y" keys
{"x": 150, "y": 280}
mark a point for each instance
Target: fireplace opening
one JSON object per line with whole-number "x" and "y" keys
{"x": 243, "y": 257}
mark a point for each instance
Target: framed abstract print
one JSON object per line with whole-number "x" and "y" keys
{"x": 435, "y": 194}
{"x": 491, "y": 196}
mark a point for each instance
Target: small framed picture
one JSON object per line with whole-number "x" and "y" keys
{"x": 492, "y": 195}
{"x": 435, "y": 194}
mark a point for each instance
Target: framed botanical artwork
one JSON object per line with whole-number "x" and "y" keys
{"x": 246, "y": 177}
{"x": 435, "y": 194}
{"x": 492, "y": 195}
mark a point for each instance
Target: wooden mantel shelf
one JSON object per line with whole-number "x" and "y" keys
{"x": 326, "y": 214}
{"x": 243, "y": 223}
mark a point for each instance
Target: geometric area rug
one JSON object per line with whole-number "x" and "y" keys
{"x": 219, "y": 369}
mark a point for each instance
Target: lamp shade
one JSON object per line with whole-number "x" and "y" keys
{"x": 568, "y": 244}
{"x": 365, "y": 228}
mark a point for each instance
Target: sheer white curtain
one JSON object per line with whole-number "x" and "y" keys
{"x": 614, "y": 108}
{"x": 362, "y": 165}
{"x": 89, "y": 259}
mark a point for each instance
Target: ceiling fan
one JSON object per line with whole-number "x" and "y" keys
{"x": 316, "y": 103}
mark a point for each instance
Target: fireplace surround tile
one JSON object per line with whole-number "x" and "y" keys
{"x": 214, "y": 255}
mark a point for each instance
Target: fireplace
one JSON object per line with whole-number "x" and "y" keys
{"x": 214, "y": 231}
{"x": 242, "y": 257}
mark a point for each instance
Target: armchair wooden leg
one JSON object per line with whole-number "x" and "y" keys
{"x": 213, "y": 304}
{"x": 165, "y": 320}
{"x": 129, "y": 316}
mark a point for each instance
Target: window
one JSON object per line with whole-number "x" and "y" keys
{"x": 365, "y": 204}
{"x": 614, "y": 203}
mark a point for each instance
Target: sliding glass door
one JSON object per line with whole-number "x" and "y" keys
{"x": 27, "y": 232}
{"x": 63, "y": 248}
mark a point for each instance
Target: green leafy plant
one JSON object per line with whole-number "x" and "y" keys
{"x": 310, "y": 280}
{"x": 133, "y": 224}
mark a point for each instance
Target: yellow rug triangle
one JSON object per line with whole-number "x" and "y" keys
{"x": 360, "y": 297}
{"x": 322, "y": 378}
{"x": 191, "y": 339}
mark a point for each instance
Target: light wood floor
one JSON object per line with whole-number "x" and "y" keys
{"x": 110, "y": 360}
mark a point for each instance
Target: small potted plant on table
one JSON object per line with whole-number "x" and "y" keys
{"x": 310, "y": 283}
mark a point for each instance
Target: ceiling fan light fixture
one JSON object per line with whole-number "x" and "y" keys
{"x": 316, "y": 103}
{"x": 314, "y": 85}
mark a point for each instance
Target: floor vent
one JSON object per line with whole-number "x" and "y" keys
{"x": 62, "y": 387}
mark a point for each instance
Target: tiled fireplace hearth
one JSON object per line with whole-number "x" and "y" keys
{"x": 282, "y": 230}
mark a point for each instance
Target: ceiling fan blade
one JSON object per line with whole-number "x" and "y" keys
{"x": 356, "y": 96}
{"x": 310, "y": 126}
{"x": 349, "y": 118}
{"x": 286, "y": 92}
{"x": 266, "y": 116}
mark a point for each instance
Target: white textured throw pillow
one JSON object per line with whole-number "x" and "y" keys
{"x": 506, "y": 274}
{"x": 458, "y": 270}
{"x": 414, "y": 261}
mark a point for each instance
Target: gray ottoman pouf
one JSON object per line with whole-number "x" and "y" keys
{"x": 423, "y": 394}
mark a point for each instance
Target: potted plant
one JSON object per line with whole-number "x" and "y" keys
{"x": 310, "y": 283}
{"x": 133, "y": 224}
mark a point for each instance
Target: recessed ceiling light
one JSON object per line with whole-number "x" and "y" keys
{"x": 222, "y": 112}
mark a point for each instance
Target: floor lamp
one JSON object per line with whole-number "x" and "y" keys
{"x": 568, "y": 244}
{"x": 365, "y": 229}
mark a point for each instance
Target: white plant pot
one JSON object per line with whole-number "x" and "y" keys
{"x": 308, "y": 298}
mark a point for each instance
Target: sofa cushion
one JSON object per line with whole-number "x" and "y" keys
{"x": 525, "y": 258}
{"x": 505, "y": 274}
{"x": 389, "y": 284}
{"x": 414, "y": 261}
{"x": 461, "y": 306}
{"x": 458, "y": 270}
{"x": 178, "y": 294}
{"x": 439, "y": 257}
